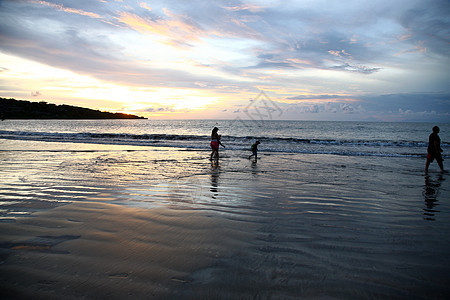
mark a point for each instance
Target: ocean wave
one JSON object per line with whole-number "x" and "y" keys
{"x": 372, "y": 143}
{"x": 348, "y": 147}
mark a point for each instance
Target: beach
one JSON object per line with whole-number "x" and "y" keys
{"x": 102, "y": 250}
{"x": 133, "y": 221}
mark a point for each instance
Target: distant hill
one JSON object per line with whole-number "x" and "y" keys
{"x": 21, "y": 109}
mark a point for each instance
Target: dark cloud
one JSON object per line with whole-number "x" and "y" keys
{"x": 414, "y": 102}
{"x": 314, "y": 97}
{"x": 360, "y": 40}
{"x": 384, "y": 107}
{"x": 428, "y": 26}
{"x": 351, "y": 109}
{"x": 404, "y": 102}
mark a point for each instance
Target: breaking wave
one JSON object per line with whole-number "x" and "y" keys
{"x": 268, "y": 144}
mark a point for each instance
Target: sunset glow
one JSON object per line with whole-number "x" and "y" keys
{"x": 316, "y": 60}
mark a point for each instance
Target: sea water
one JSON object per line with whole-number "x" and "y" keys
{"x": 342, "y": 209}
{"x": 58, "y": 161}
{"x": 339, "y": 138}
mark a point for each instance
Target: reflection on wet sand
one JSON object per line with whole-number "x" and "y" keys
{"x": 431, "y": 193}
{"x": 171, "y": 224}
{"x": 215, "y": 172}
{"x": 255, "y": 169}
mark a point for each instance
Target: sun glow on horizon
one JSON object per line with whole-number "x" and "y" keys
{"x": 121, "y": 97}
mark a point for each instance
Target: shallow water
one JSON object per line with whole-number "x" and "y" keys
{"x": 339, "y": 138}
{"x": 322, "y": 225}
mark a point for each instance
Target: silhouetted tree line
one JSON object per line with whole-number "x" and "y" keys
{"x": 21, "y": 109}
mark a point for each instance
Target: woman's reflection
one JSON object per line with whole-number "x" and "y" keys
{"x": 215, "y": 172}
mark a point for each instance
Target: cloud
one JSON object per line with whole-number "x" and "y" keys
{"x": 313, "y": 97}
{"x": 400, "y": 107}
{"x": 158, "y": 109}
{"x": 355, "y": 68}
{"x": 36, "y": 94}
{"x": 145, "y": 5}
{"x": 350, "y": 109}
{"x": 408, "y": 101}
{"x": 91, "y": 56}
{"x": 328, "y": 50}
{"x": 232, "y": 50}
{"x": 427, "y": 27}
{"x": 312, "y": 109}
{"x": 408, "y": 111}
{"x": 172, "y": 28}
{"x": 67, "y": 9}
{"x": 324, "y": 108}
{"x": 245, "y": 7}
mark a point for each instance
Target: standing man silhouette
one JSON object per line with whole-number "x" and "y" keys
{"x": 434, "y": 150}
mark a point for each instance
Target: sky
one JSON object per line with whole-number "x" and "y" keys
{"x": 354, "y": 60}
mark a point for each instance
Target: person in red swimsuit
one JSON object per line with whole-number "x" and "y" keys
{"x": 215, "y": 142}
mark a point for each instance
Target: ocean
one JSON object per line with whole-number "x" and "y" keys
{"x": 329, "y": 210}
{"x": 339, "y": 138}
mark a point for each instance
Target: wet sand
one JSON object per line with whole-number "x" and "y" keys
{"x": 130, "y": 223}
{"x": 99, "y": 250}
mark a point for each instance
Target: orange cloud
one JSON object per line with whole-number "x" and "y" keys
{"x": 144, "y": 5}
{"x": 419, "y": 48}
{"x": 175, "y": 29}
{"x": 405, "y": 37}
{"x": 299, "y": 61}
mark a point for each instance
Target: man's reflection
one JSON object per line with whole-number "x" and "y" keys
{"x": 430, "y": 193}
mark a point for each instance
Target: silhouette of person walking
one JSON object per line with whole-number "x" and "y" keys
{"x": 434, "y": 150}
{"x": 254, "y": 150}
